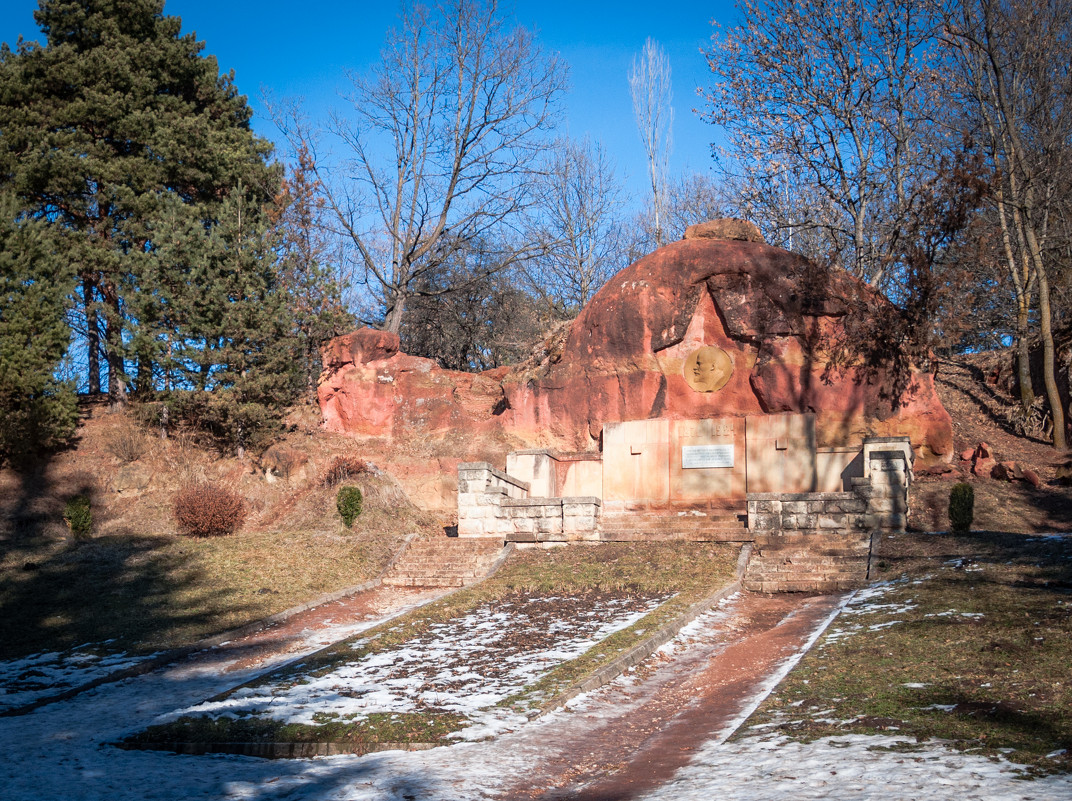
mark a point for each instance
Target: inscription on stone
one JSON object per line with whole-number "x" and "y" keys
{"x": 708, "y": 369}
{"x": 699, "y": 456}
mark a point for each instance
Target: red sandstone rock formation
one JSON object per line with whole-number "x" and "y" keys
{"x": 778, "y": 318}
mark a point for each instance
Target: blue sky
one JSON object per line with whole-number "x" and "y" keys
{"x": 304, "y": 49}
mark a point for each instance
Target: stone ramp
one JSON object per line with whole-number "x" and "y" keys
{"x": 441, "y": 561}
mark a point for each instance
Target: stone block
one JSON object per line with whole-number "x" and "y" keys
{"x": 887, "y": 505}
{"x": 895, "y": 522}
{"x": 523, "y": 524}
{"x": 469, "y": 527}
{"x": 833, "y": 521}
{"x": 764, "y": 507}
{"x": 546, "y": 525}
{"x": 765, "y": 522}
{"x": 799, "y": 521}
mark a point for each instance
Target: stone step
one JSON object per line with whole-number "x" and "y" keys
{"x": 426, "y": 581}
{"x": 444, "y": 562}
{"x": 711, "y": 535}
{"x": 802, "y": 586}
{"x": 824, "y": 554}
{"x": 670, "y": 521}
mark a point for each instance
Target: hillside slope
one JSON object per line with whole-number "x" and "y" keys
{"x": 980, "y": 412}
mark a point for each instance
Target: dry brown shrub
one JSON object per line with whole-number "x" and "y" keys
{"x": 343, "y": 468}
{"x": 207, "y": 510}
{"x": 126, "y": 442}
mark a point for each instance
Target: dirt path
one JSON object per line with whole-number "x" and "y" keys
{"x": 643, "y": 731}
{"x": 322, "y": 625}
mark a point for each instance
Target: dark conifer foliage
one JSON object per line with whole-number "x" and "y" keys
{"x": 137, "y": 155}
{"x": 36, "y": 410}
{"x": 105, "y": 126}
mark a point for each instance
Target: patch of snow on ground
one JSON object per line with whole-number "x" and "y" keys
{"x": 465, "y": 665}
{"x": 62, "y": 751}
{"x": 851, "y": 767}
{"x": 23, "y": 681}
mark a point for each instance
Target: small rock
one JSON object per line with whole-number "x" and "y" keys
{"x": 966, "y": 455}
{"x": 726, "y": 228}
{"x": 1001, "y": 472}
{"x": 1032, "y": 478}
{"x": 983, "y": 461}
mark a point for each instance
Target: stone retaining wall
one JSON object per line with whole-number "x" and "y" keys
{"x": 813, "y": 541}
{"x": 822, "y": 541}
{"x": 494, "y": 504}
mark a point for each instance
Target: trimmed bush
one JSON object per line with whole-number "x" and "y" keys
{"x": 206, "y": 510}
{"x": 78, "y": 515}
{"x": 961, "y": 507}
{"x": 348, "y": 501}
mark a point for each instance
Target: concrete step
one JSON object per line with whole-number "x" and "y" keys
{"x": 669, "y": 521}
{"x": 710, "y": 535}
{"x": 444, "y": 562}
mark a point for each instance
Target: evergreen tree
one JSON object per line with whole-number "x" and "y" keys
{"x": 224, "y": 337}
{"x": 36, "y": 411}
{"x": 314, "y": 288}
{"x": 105, "y": 128}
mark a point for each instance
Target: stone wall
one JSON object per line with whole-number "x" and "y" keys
{"x": 809, "y": 541}
{"x": 822, "y": 541}
{"x": 495, "y": 504}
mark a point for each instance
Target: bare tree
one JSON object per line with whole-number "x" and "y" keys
{"x": 577, "y": 224}
{"x": 828, "y": 103}
{"x": 652, "y": 93}
{"x": 442, "y": 141}
{"x": 1014, "y": 74}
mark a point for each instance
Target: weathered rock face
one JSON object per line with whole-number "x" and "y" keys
{"x": 701, "y": 328}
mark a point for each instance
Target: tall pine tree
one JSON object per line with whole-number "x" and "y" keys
{"x": 37, "y": 411}
{"x": 106, "y": 129}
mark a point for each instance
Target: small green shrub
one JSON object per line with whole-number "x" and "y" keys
{"x": 78, "y": 516}
{"x": 205, "y": 510}
{"x": 348, "y": 501}
{"x": 961, "y": 507}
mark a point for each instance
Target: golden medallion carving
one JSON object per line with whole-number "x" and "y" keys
{"x": 708, "y": 369}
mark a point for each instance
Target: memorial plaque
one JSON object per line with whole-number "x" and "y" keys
{"x": 702, "y": 456}
{"x": 708, "y": 369}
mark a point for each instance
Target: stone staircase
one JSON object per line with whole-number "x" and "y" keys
{"x": 812, "y": 562}
{"x": 441, "y": 561}
{"x": 723, "y": 525}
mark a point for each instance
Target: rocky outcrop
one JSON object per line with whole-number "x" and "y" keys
{"x": 705, "y": 327}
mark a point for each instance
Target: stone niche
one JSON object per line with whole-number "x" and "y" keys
{"x": 704, "y": 342}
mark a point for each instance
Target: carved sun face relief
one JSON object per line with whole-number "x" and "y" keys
{"x": 708, "y": 369}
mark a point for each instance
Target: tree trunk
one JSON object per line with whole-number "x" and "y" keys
{"x": 1023, "y": 356}
{"x": 393, "y": 321}
{"x": 113, "y": 340}
{"x": 1049, "y": 371}
{"x": 92, "y": 336}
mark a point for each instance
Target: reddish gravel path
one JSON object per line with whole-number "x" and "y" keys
{"x": 293, "y": 634}
{"x": 641, "y": 734}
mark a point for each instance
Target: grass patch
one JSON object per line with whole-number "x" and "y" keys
{"x": 148, "y": 593}
{"x": 967, "y": 644}
{"x": 689, "y": 571}
{"x": 391, "y": 727}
